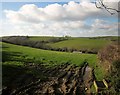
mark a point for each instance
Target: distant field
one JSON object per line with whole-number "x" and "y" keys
{"x": 91, "y": 44}
{"x": 82, "y": 43}
{"x": 46, "y": 38}
{"x": 50, "y": 57}
{"x": 40, "y": 38}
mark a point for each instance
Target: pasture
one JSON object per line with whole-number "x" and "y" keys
{"x": 26, "y": 68}
{"x": 82, "y": 43}
{"x": 49, "y": 57}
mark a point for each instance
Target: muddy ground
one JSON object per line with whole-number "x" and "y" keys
{"x": 64, "y": 79}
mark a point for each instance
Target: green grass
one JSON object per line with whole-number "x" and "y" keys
{"x": 79, "y": 43}
{"x": 99, "y": 73}
{"x": 13, "y": 72}
{"x": 14, "y": 58}
{"x": 82, "y": 43}
{"x": 49, "y": 57}
{"x": 93, "y": 90}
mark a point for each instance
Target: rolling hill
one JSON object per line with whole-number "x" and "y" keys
{"x": 82, "y": 43}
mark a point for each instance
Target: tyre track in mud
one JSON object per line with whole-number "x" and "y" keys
{"x": 63, "y": 80}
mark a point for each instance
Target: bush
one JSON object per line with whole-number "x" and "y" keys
{"x": 109, "y": 53}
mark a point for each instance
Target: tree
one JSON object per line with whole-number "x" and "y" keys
{"x": 101, "y": 5}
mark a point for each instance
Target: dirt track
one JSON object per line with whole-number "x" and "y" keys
{"x": 63, "y": 80}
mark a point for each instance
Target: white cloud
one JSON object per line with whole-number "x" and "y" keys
{"x": 105, "y": 28}
{"x": 111, "y": 0}
{"x": 56, "y": 19}
{"x": 71, "y": 11}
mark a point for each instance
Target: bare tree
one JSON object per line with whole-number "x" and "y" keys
{"x": 101, "y": 5}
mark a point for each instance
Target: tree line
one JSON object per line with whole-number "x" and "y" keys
{"x": 42, "y": 44}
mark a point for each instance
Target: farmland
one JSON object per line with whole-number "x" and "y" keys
{"x": 46, "y": 71}
{"x": 33, "y": 65}
{"x": 78, "y": 43}
{"x": 56, "y": 57}
{"x": 82, "y": 43}
{"x": 68, "y": 44}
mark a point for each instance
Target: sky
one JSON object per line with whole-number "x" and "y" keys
{"x": 77, "y": 19}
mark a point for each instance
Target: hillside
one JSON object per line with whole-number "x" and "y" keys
{"x": 48, "y": 56}
{"x": 82, "y": 44}
{"x": 68, "y": 44}
{"x": 28, "y": 68}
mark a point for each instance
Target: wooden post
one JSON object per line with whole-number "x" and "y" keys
{"x": 96, "y": 87}
{"x": 105, "y": 83}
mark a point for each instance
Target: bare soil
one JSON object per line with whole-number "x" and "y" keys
{"x": 61, "y": 80}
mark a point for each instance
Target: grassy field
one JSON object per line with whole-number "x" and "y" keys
{"x": 23, "y": 66}
{"x": 54, "y": 58}
{"x": 46, "y": 38}
{"x": 79, "y": 43}
{"x": 93, "y": 44}
{"x": 82, "y": 43}
{"x": 49, "y": 57}
{"x": 23, "y": 54}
